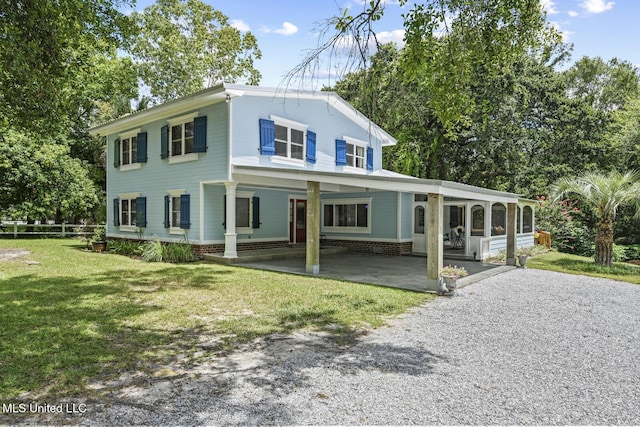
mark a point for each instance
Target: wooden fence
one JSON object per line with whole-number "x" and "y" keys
{"x": 21, "y": 229}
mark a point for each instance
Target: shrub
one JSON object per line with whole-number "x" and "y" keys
{"x": 126, "y": 247}
{"x": 562, "y": 219}
{"x": 632, "y": 252}
{"x": 156, "y": 251}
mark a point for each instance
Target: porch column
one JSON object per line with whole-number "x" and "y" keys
{"x": 435, "y": 246}
{"x": 511, "y": 233}
{"x": 313, "y": 227}
{"x": 230, "y": 235}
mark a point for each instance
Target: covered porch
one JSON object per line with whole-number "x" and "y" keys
{"x": 435, "y": 193}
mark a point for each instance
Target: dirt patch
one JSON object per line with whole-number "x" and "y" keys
{"x": 7, "y": 254}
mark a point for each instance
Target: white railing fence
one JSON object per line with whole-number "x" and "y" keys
{"x": 18, "y": 229}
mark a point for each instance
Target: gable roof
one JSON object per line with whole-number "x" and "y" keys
{"x": 224, "y": 91}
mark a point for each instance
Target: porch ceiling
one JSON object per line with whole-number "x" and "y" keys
{"x": 344, "y": 182}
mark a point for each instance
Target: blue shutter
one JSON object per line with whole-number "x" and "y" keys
{"x": 267, "y": 137}
{"x": 164, "y": 142}
{"x": 369, "y": 158}
{"x": 185, "y": 211}
{"x": 341, "y": 152}
{"x": 255, "y": 221}
{"x": 116, "y": 153}
{"x": 141, "y": 148}
{"x": 141, "y": 211}
{"x": 167, "y": 211}
{"x": 116, "y": 212}
{"x": 311, "y": 147}
{"x": 200, "y": 134}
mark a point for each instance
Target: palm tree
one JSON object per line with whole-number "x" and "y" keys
{"x": 603, "y": 193}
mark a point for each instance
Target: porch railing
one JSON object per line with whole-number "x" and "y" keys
{"x": 17, "y": 229}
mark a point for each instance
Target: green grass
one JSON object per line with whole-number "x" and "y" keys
{"x": 573, "y": 264}
{"x": 79, "y": 316}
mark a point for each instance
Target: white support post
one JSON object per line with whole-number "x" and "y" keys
{"x": 230, "y": 235}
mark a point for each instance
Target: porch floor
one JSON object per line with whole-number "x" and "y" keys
{"x": 405, "y": 272}
{"x": 259, "y": 255}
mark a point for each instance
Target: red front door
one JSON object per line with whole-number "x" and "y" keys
{"x": 298, "y": 221}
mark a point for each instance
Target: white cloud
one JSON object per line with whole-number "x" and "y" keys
{"x": 287, "y": 29}
{"x": 573, "y": 13}
{"x": 395, "y": 36}
{"x": 597, "y": 6}
{"x": 549, "y": 6}
{"x": 565, "y": 34}
{"x": 240, "y": 25}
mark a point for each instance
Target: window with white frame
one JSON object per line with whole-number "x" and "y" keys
{"x": 355, "y": 156}
{"x": 244, "y": 212}
{"x": 182, "y": 138}
{"x": 289, "y": 138}
{"x": 128, "y": 150}
{"x": 176, "y": 219}
{"x": 352, "y": 215}
{"x": 128, "y": 210}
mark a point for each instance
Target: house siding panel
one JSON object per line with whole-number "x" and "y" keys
{"x": 157, "y": 176}
{"x": 321, "y": 118}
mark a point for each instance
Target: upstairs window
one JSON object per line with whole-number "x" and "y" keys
{"x": 287, "y": 140}
{"x": 183, "y": 138}
{"x": 130, "y": 150}
{"x": 354, "y": 153}
{"x": 355, "y": 156}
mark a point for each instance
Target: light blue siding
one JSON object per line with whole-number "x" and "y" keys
{"x": 406, "y": 200}
{"x": 156, "y": 177}
{"x": 323, "y": 119}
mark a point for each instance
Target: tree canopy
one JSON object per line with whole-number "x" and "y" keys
{"x": 186, "y": 45}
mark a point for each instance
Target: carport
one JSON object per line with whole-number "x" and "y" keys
{"x": 404, "y": 272}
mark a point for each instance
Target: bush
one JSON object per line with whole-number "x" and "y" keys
{"x": 126, "y": 247}
{"x": 561, "y": 219}
{"x": 632, "y": 252}
{"x": 156, "y": 251}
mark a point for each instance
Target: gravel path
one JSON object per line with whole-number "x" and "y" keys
{"x": 523, "y": 347}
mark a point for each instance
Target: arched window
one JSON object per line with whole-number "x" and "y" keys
{"x": 477, "y": 220}
{"x": 527, "y": 219}
{"x": 498, "y": 219}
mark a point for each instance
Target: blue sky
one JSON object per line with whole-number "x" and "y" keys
{"x": 287, "y": 29}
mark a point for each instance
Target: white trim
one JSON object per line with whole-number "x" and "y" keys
{"x": 287, "y": 160}
{"x": 353, "y": 169}
{"x": 129, "y": 228}
{"x": 201, "y": 211}
{"x": 176, "y": 193}
{"x": 183, "y": 158}
{"x": 129, "y": 133}
{"x": 128, "y": 195}
{"x": 174, "y": 121}
{"x": 130, "y": 167}
{"x": 177, "y": 231}
{"x": 289, "y": 123}
{"x": 368, "y": 239}
{"x": 355, "y": 141}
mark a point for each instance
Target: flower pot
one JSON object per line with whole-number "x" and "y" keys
{"x": 523, "y": 260}
{"x": 451, "y": 282}
{"x": 99, "y": 246}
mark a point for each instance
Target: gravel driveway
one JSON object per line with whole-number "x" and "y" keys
{"x": 523, "y": 347}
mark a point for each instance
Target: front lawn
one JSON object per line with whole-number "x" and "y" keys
{"x": 70, "y": 317}
{"x": 574, "y": 264}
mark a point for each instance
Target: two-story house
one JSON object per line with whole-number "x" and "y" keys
{"x": 243, "y": 167}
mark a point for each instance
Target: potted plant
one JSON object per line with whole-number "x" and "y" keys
{"x": 450, "y": 274}
{"x": 99, "y": 240}
{"x": 522, "y": 257}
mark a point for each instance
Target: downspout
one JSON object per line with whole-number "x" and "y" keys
{"x": 229, "y": 137}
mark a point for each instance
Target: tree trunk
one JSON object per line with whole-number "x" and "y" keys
{"x": 604, "y": 243}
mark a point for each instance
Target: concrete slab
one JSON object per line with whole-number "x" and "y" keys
{"x": 405, "y": 272}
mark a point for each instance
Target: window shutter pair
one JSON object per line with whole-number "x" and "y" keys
{"x": 185, "y": 211}
{"x": 268, "y": 140}
{"x": 141, "y": 212}
{"x": 255, "y": 220}
{"x": 341, "y": 154}
{"x": 199, "y": 137}
{"x": 141, "y": 150}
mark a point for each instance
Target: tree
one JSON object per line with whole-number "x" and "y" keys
{"x": 605, "y": 194}
{"x": 46, "y": 45}
{"x": 38, "y": 179}
{"x": 186, "y": 45}
{"x": 447, "y": 43}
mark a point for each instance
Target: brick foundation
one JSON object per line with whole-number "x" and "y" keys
{"x": 382, "y": 248}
